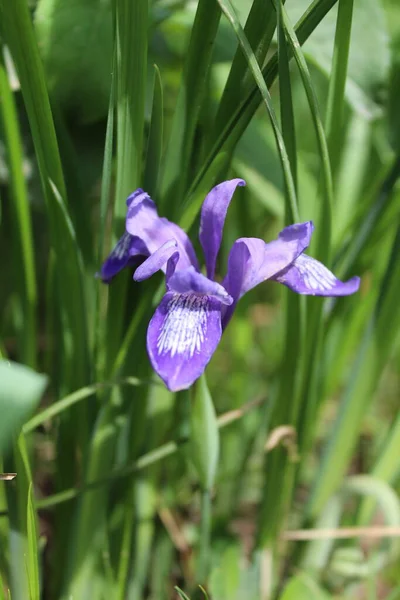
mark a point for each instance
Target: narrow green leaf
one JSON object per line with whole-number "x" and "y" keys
{"x": 279, "y": 466}
{"x": 131, "y": 52}
{"x": 286, "y": 103}
{"x": 106, "y": 178}
{"x": 177, "y": 167}
{"x": 259, "y": 30}
{"x": 204, "y": 435}
{"x": 20, "y": 38}
{"x": 336, "y": 95}
{"x": 325, "y": 224}
{"x": 320, "y": 551}
{"x": 21, "y": 220}
{"x": 386, "y": 468}
{"x": 58, "y": 407}
{"x": 33, "y": 550}
{"x": 232, "y": 17}
{"x": 17, "y": 502}
{"x": 143, "y": 462}
{"x": 373, "y": 352}
{"x": 132, "y": 25}
{"x": 181, "y": 594}
{"x": 245, "y": 111}
{"x": 155, "y": 140}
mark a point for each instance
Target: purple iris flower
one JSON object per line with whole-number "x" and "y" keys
{"x": 188, "y": 323}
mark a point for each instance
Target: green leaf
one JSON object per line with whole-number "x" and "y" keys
{"x": 367, "y": 70}
{"x": 259, "y": 29}
{"x": 225, "y": 574}
{"x": 181, "y": 594}
{"x": 176, "y": 168}
{"x": 20, "y": 393}
{"x": 21, "y": 219}
{"x": 75, "y": 39}
{"x": 20, "y": 38}
{"x": 303, "y": 587}
{"x": 230, "y": 13}
{"x": 155, "y": 141}
{"x": 204, "y": 435}
{"x": 33, "y": 551}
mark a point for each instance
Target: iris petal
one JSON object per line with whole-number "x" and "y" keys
{"x": 190, "y": 281}
{"x": 126, "y": 252}
{"x": 252, "y": 261}
{"x": 309, "y": 276}
{"x": 157, "y": 260}
{"x": 142, "y": 221}
{"x": 182, "y": 337}
{"x": 213, "y": 214}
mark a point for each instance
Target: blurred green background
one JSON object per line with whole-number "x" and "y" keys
{"x": 301, "y": 99}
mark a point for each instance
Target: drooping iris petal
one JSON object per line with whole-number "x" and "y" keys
{"x": 309, "y": 276}
{"x": 157, "y": 261}
{"x": 142, "y": 221}
{"x": 213, "y": 214}
{"x": 189, "y": 280}
{"x": 125, "y": 253}
{"x": 252, "y": 261}
{"x": 182, "y": 336}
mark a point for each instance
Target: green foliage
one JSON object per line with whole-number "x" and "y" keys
{"x": 297, "y": 426}
{"x": 20, "y": 393}
{"x": 76, "y": 47}
{"x": 204, "y": 436}
{"x": 302, "y": 587}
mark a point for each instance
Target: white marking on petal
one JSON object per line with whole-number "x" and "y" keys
{"x": 122, "y": 247}
{"x": 315, "y": 275}
{"x": 185, "y": 324}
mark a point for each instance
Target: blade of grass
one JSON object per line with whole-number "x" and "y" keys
{"x": 308, "y": 402}
{"x": 386, "y": 468}
{"x": 142, "y": 462}
{"x": 33, "y": 550}
{"x": 279, "y": 468}
{"x": 20, "y": 38}
{"x": 325, "y": 225}
{"x": 131, "y": 20}
{"x": 81, "y": 394}
{"x": 285, "y": 99}
{"x": 155, "y": 140}
{"x": 259, "y": 30}
{"x": 232, "y": 17}
{"x": 176, "y": 171}
{"x": 373, "y": 352}
{"x": 21, "y": 219}
{"x": 233, "y": 130}
{"x": 336, "y": 100}
{"x": 17, "y": 501}
{"x": 106, "y": 205}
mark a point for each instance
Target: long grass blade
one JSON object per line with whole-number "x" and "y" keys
{"x": 231, "y": 15}
{"x": 177, "y": 168}
{"x": 237, "y": 124}
{"x": 20, "y": 38}
{"x": 21, "y": 221}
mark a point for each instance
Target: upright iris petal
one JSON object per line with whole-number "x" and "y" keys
{"x": 188, "y": 323}
{"x": 213, "y": 214}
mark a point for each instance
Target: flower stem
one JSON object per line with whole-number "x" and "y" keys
{"x": 205, "y": 537}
